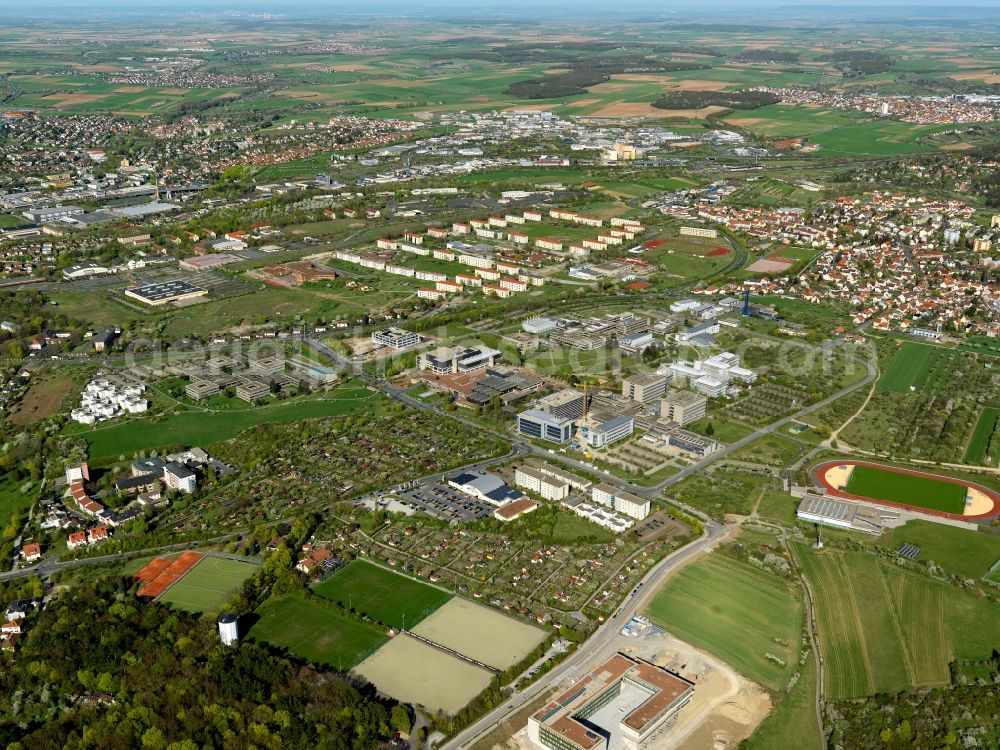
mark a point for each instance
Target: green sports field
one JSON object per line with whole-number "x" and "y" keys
{"x": 313, "y": 629}
{"x": 207, "y": 585}
{"x": 384, "y": 596}
{"x": 736, "y": 611}
{"x": 897, "y": 487}
{"x": 910, "y": 367}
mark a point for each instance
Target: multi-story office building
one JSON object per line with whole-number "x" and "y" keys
{"x": 395, "y": 338}
{"x": 644, "y": 387}
{"x": 544, "y": 425}
{"x": 624, "y": 696}
{"x": 683, "y": 407}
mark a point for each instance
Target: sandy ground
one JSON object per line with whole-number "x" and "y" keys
{"x": 610, "y": 87}
{"x": 839, "y": 476}
{"x": 66, "y": 100}
{"x": 768, "y": 265}
{"x": 983, "y": 76}
{"x": 306, "y": 95}
{"x": 977, "y": 502}
{"x": 725, "y": 709}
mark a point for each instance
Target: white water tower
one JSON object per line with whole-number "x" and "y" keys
{"x": 229, "y": 631}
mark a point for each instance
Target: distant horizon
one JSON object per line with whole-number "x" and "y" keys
{"x": 509, "y": 7}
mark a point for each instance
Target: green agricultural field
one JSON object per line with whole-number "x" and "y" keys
{"x": 980, "y": 444}
{"x": 384, "y": 596}
{"x": 883, "y": 138}
{"x": 736, "y": 611}
{"x": 897, "y": 487}
{"x": 792, "y": 722}
{"x": 208, "y": 584}
{"x": 910, "y": 367}
{"x": 205, "y": 428}
{"x": 312, "y": 629}
{"x": 883, "y": 629}
{"x": 959, "y": 551}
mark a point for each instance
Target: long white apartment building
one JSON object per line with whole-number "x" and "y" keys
{"x": 541, "y": 484}
{"x": 620, "y": 501}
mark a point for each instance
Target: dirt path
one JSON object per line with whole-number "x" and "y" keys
{"x": 836, "y": 433}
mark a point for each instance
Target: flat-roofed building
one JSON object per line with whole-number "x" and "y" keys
{"x": 446, "y": 359}
{"x": 623, "y": 502}
{"x": 251, "y": 390}
{"x": 603, "y": 434}
{"x": 543, "y": 425}
{"x": 535, "y": 481}
{"x": 165, "y": 292}
{"x": 644, "y": 387}
{"x": 201, "y": 389}
{"x": 395, "y": 338}
{"x": 565, "y": 403}
{"x": 683, "y": 407}
{"x": 842, "y": 514}
{"x": 624, "y": 697}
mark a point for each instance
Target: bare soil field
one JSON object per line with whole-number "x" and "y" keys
{"x": 480, "y": 633}
{"x": 42, "y": 400}
{"x": 770, "y": 265}
{"x": 984, "y": 76}
{"x": 413, "y": 672}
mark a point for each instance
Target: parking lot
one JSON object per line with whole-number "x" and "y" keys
{"x": 448, "y": 504}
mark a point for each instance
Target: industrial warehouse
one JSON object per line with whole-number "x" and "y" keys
{"x": 165, "y": 292}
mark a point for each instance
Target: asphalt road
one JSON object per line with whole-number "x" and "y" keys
{"x": 576, "y": 663}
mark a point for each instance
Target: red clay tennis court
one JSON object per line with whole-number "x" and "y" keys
{"x": 168, "y": 575}
{"x": 152, "y": 569}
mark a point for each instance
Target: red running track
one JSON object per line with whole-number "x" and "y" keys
{"x": 819, "y": 474}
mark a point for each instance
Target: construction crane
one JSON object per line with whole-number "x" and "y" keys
{"x": 584, "y": 425}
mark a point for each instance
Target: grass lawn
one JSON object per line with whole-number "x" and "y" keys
{"x": 883, "y": 629}
{"x": 384, "y": 596}
{"x": 910, "y": 367}
{"x": 897, "y": 487}
{"x": 792, "y": 722}
{"x": 977, "y": 451}
{"x": 959, "y": 551}
{"x": 736, "y": 611}
{"x": 204, "y": 428}
{"x": 206, "y": 586}
{"x": 12, "y": 500}
{"x": 6, "y": 220}
{"x": 312, "y": 629}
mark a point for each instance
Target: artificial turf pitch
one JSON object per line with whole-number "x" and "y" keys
{"x": 384, "y": 596}
{"x": 206, "y": 586}
{"x": 908, "y": 489}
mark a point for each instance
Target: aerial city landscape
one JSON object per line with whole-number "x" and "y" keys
{"x": 499, "y": 376}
